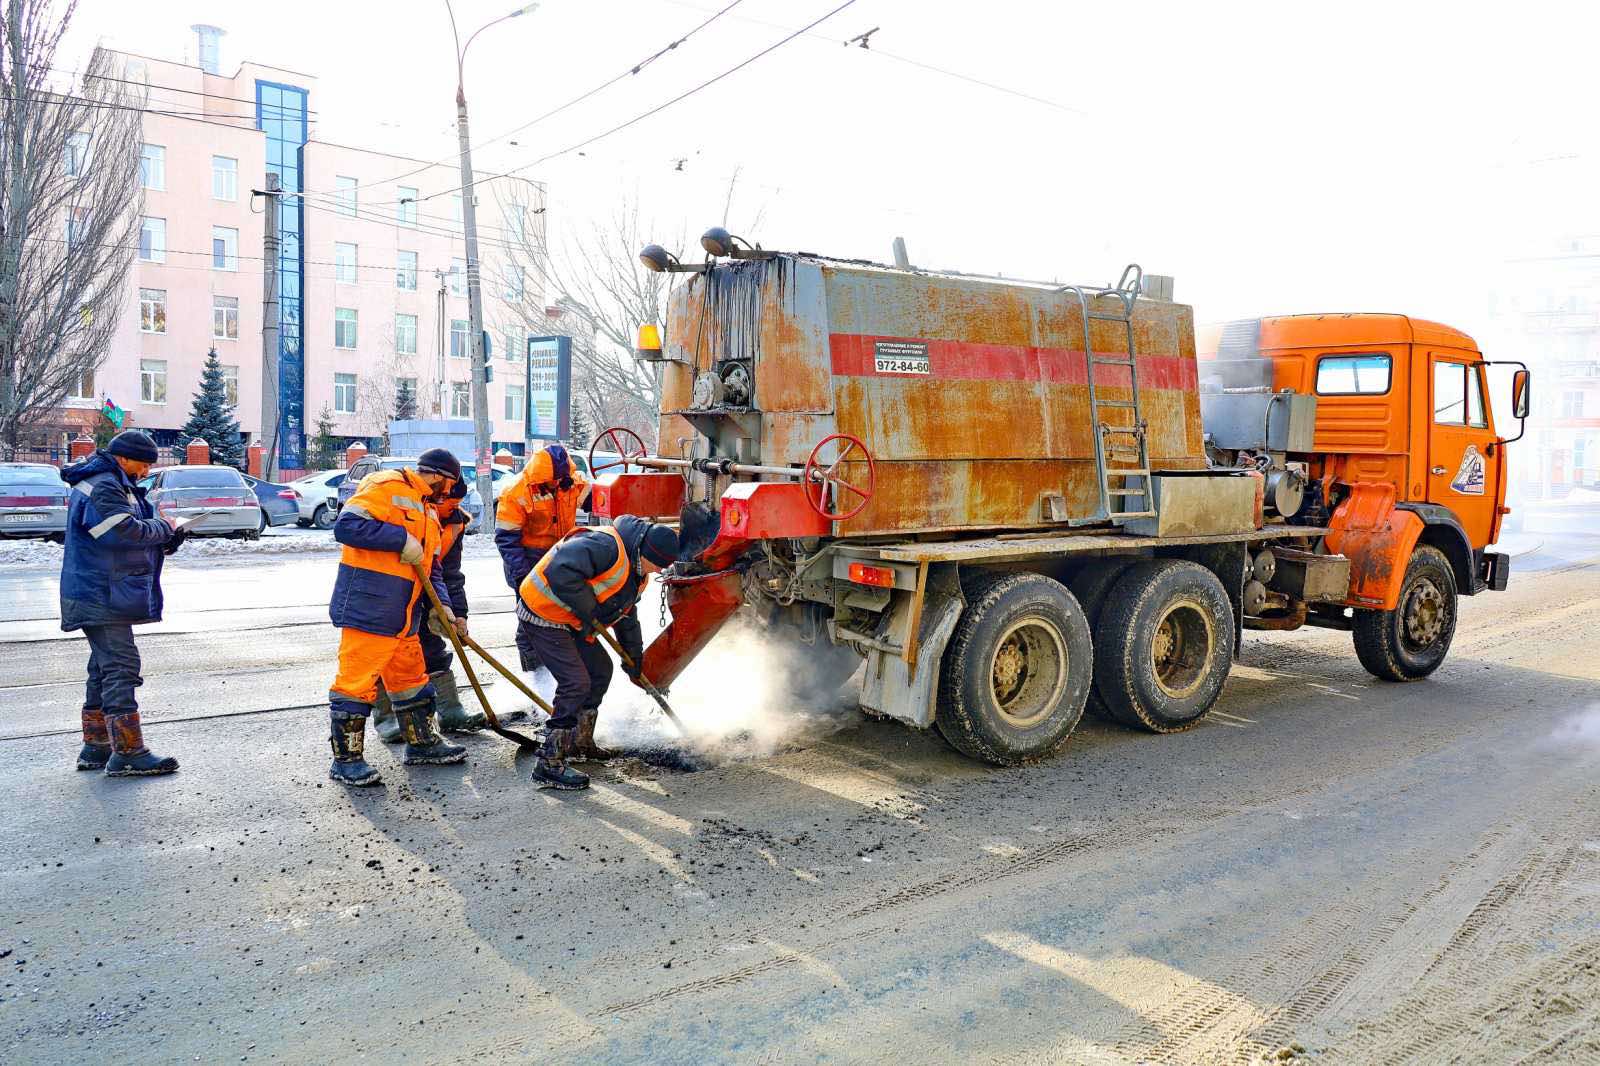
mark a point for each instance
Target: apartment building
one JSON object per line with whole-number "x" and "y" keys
{"x": 371, "y": 270}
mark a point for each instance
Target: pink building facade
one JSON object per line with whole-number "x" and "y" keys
{"x": 371, "y": 271}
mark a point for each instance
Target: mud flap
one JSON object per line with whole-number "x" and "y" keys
{"x": 891, "y": 689}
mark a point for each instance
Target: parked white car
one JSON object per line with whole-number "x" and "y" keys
{"x": 318, "y": 492}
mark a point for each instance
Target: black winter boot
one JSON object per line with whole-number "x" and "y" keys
{"x": 129, "y": 756}
{"x": 96, "y": 750}
{"x": 552, "y": 771}
{"x": 453, "y": 718}
{"x": 584, "y": 749}
{"x": 349, "y": 741}
{"x": 424, "y": 747}
{"x": 384, "y": 722}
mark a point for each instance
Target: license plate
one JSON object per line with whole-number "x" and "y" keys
{"x": 25, "y": 518}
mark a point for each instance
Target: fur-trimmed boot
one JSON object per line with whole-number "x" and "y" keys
{"x": 348, "y": 738}
{"x": 96, "y": 750}
{"x": 584, "y": 748}
{"x": 129, "y": 756}
{"x": 552, "y": 771}
{"x": 424, "y": 746}
{"x": 384, "y": 723}
{"x": 453, "y": 717}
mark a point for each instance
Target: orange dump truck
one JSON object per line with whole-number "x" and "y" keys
{"x": 1018, "y": 501}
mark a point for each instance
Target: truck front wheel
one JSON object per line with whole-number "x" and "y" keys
{"x": 1164, "y": 645}
{"x": 1017, "y": 670}
{"x": 1411, "y": 641}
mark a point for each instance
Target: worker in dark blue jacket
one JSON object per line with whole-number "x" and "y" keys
{"x": 111, "y": 582}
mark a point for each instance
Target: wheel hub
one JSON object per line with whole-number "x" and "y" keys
{"x": 1180, "y": 649}
{"x": 1029, "y": 671}
{"x": 1424, "y": 616}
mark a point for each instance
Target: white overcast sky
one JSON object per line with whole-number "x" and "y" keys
{"x": 1275, "y": 157}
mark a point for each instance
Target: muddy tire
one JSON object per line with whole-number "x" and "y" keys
{"x": 1411, "y": 641}
{"x": 1165, "y": 645}
{"x": 1091, "y": 586}
{"x": 1016, "y": 672}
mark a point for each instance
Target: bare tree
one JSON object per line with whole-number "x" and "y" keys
{"x": 69, "y": 215}
{"x": 599, "y": 294}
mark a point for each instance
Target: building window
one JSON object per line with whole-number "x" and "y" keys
{"x": 1353, "y": 375}
{"x": 230, "y": 384}
{"x": 1572, "y": 405}
{"x": 344, "y": 393}
{"x": 225, "y": 318}
{"x": 345, "y": 194}
{"x": 405, "y": 334}
{"x": 138, "y": 71}
{"x": 405, "y": 272}
{"x": 153, "y": 311}
{"x": 516, "y": 345}
{"x": 152, "y": 240}
{"x": 455, "y": 208}
{"x": 344, "y": 263}
{"x": 408, "y": 386}
{"x": 408, "y": 206}
{"x": 153, "y": 167}
{"x": 344, "y": 327}
{"x": 224, "y": 178}
{"x": 77, "y": 152}
{"x": 514, "y": 403}
{"x": 460, "y": 400}
{"x": 83, "y": 386}
{"x": 458, "y": 277}
{"x": 516, "y": 283}
{"x": 519, "y": 220}
{"x": 459, "y": 346}
{"x": 153, "y": 380}
{"x": 224, "y": 248}
{"x": 77, "y": 225}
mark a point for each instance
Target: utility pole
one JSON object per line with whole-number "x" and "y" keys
{"x": 441, "y": 338}
{"x": 269, "y": 331}
{"x": 480, "y": 375}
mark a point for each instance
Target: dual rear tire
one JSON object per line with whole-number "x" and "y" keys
{"x": 1022, "y": 663}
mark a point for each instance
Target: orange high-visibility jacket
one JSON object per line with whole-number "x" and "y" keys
{"x": 375, "y": 591}
{"x": 537, "y": 509}
{"x": 540, "y": 598}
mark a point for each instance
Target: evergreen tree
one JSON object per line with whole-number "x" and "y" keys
{"x": 325, "y": 447}
{"x": 104, "y": 430}
{"x": 213, "y": 419}
{"x": 405, "y": 401}
{"x": 577, "y": 425}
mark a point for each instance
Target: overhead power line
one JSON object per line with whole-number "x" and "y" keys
{"x": 619, "y": 127}
{"x": 635, "y": 69}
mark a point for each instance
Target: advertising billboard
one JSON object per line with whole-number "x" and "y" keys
{"x": 549, "y": 388}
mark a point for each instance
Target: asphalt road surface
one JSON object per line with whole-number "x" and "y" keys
{"x": 1330, "y": 869}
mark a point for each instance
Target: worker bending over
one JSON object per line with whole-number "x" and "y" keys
{"x": 388, "y": 530}
{"x": 436, "y": 654}
{"x": 594, "y": 577}
{"x": 538, "y": 509}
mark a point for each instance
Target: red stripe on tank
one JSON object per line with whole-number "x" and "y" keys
{"x": 853, "y": 355}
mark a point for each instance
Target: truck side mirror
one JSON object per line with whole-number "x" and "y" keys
{"x": 1520, "y": 396}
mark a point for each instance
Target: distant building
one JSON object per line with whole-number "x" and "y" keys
{"x": 371, "y": 272}
{"x": 1547, "y": 313}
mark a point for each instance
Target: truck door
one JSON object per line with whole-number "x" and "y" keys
{"x": 1462, "y": 464}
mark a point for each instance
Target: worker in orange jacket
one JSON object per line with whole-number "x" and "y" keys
{"x": 388, "y": 531}
{"x": 539, "y": 508}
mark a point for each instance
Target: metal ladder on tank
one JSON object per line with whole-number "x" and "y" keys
{"x": 1113, "y": 441}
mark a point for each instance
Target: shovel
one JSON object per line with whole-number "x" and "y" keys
{"x": 644, "y": 682}
{"x": 527, "y": 743}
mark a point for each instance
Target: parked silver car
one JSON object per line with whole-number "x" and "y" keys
{"x": 33, "y": 501}
{"x": 318, "y": 503}
{"x": 185, "y": 491}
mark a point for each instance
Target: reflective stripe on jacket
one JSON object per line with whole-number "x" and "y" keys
{"x": 540, "y": 598}
{"x": 375, "y": 591}
{"x": 533, "y": 514}
{"x": 111, "y": 568}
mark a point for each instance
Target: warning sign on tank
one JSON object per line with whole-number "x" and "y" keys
{"x": 900, "y": 357}
{"x": 1469, "y": 476}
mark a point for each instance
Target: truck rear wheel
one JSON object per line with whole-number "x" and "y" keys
{"x": 1017, "y": 670}
{"x": 1164, "y": 645}
{"x": 1411, "y": 641}
{"x": 1091, "y": 586}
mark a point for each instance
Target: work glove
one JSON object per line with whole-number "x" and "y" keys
{"x": 172, "y": 545}
{"x": 411, "y": 554}
{"x": 461, "y": 628}
{"x": 440, "y": 625}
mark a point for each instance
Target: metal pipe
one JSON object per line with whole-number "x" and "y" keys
{"x": 713, "y": 466}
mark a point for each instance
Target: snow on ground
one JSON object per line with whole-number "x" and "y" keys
{"x": 30, "y": 553}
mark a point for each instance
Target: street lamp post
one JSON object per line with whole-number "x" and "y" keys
{"x": 482, "y": 442}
